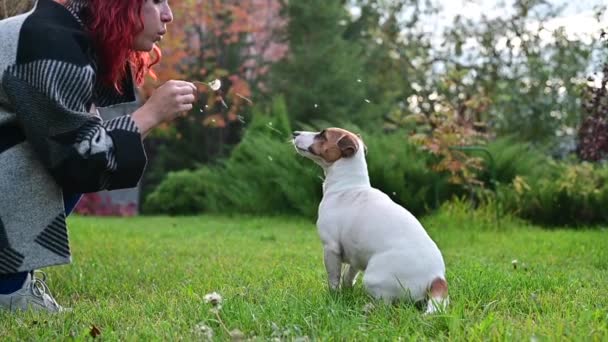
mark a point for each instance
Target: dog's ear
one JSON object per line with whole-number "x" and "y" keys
{"x": 364, "y": 146}
{"x": 348, "y": 146}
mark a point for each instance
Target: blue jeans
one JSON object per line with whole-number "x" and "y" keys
{"x": 70, "y": 201}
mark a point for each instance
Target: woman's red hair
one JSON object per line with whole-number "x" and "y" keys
{"x": 113, "y": 25}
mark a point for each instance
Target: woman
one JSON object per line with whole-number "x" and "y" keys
{"x": 61, "y": 65}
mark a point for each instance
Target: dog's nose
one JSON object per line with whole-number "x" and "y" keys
{"x": 295, "y": 134}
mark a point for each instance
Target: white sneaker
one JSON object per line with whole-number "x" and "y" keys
{"x": 34, "y": 295}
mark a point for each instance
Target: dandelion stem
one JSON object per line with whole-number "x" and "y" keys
{"x": 217, "y": 314}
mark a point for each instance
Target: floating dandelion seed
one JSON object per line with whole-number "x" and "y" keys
{"x": 270, "y": 158}
{"x": 394, "y": 194}
{"x": 244, "y": 98}
{"x": 241, "y": 118}
{"x": 316, "y": 105}
{"x": 359, "y": 80}
{"x": 368, "y": 101}
{"x": 215, "y": 85}
{"x": 269, "y": 125}
{"x": 224, "y": 103}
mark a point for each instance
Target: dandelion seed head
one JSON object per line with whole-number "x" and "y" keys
{"x": 213, "y": 298}
{"x": 204, "y": 331}
{"x": 367, "y": 308}
{"x": 215, "y": 85}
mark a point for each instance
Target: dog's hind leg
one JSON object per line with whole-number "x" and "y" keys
{"x": 438, "y": 296}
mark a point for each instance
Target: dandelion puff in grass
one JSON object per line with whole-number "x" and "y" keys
{"x": 368, "y": 308}
{"x": 213, "y": 298}
{"x": 216, "y": 309}
{"x": 237, "y": 335}
{"x": 204, "y": 331}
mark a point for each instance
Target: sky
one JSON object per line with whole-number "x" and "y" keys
{"x": 577, "y": 17}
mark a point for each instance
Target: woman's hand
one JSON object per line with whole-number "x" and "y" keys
{"x": 165, "y": 104}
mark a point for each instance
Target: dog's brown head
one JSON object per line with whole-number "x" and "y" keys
{"x": 327, "y": 146}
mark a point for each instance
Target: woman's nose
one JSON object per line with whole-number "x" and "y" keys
{"x": 166, "y": 16}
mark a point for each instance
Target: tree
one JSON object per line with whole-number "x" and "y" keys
{"x": 593, "y": 131}
{"x": 319, "y": 75}
{"x": 231, "y": 41}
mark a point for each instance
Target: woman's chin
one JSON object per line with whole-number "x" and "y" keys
{"x": 144, "y": 46}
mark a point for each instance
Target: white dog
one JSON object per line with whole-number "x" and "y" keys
{"x": 362, "y": 227}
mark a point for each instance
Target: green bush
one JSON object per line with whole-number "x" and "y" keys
{"x": 264, "y": 175}
{"x": 402, "y": 171}
{"x": 514, "y": 158}
{"x": 574, "y": 195}
{"x": 181, "y": 192}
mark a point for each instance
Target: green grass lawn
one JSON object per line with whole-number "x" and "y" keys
{"x": 145, "y": 278}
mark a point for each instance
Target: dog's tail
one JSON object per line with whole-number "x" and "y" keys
{"x": 438, "y": 299}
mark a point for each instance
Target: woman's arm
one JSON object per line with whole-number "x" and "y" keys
{"x": 51, "y": 89}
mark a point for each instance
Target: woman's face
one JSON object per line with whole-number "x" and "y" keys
{"x": 155, "y": 14}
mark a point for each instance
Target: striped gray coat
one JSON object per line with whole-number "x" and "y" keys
{"x": 52, "y": 139}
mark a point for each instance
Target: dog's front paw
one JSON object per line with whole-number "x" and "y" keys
{"x": 334, "y": 287}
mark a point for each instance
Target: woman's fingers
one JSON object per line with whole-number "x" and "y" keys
{"x": 186, "y": 99}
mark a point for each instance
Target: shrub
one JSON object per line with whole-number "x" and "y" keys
{"x": 575, "y": 195}
{"x": 262, "y": 176}
{"x": 513, "y": 158}
{"x": 181, "y": 192}
{"x": 402, "y": 170}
